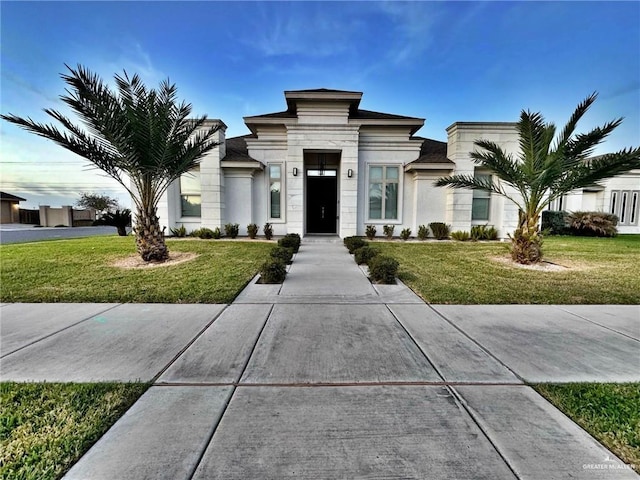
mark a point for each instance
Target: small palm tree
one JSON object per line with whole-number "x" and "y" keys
{"x": 544, "y": 170}
{"x": 141, "y": 137}
{"x": 121, "y": 219}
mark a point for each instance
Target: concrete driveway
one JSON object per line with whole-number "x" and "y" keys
{"x": 295, "y": 381}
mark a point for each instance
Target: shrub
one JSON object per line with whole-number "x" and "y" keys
{"x": 290, "y": 240}
{"x": 284, "y": 254}
{"x": 354, "y": 243}
{"x": 383, "y": 269}
{"x": 483, "y": 232}
{"x": 179, "y": 232}
{"x": 217, "y": 234}
{"x": 268, "y": 231}
{"x": 555, "y": 222}
{"x": 204, "y": 232}
{"x": 231, "y": 230}
{"x": 593, "y": 224}
{"x": 460, "y": 235}
{"x": 388, "y": 230}
{"x": 273, "y": 271}
{"x": 364, "y": 254}
{"x": 120, "y": 219}
{"x": 423, "y": 232}
{"x": 252, "y": 230}
{"x": 440, "y": 230}
{"x": 405, "y": 234}
{"x": 371, "y": 231}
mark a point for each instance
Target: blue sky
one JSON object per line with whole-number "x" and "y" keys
{"x": 442, "y": 61}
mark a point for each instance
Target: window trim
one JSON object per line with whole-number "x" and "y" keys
{"x": 282, "y": 217}
{"x": 189, "y": 193}
{"x": 399, "y": 182}
{"x": 488, "y": 197}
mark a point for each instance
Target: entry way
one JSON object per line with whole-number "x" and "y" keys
{"x": 322, "y": 201}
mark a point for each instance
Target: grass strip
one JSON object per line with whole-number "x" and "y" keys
{"x": 46, "y": 427}
{"x": 599, "y": 271}
{"x": 609, "y": 412}
{"x": 81, "y": 270}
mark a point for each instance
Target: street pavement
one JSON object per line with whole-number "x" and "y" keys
{"x": 328, "y": 376}
{"x": 20, "y": 233}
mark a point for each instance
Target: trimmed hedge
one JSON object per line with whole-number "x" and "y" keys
{"x": 555, "y": 222}
{"x": 273, "y": 271}
{"x": 440, "y": 230}
{"x": 354, "y": 243}
{"x": 364, "y": 254}
{"x": 383, "y": 269}
{"x": 291, "y": 240}
{"x": 284, "y": 254}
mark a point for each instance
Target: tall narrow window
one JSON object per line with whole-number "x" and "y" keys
{"x": 633, "y": 213}
{"x": 275, "y": 191}
{"x": 623, "y": 207}
{"x": 614, "y": 203}
{"x": 481, "y": 201}
{"x": 190, "y": 193}
{"x": 383, "y": 192}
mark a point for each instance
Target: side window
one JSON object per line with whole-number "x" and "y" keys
{"x": 190, "y": 193}
{"x": 383, "y": 192}
{"x": 481, "y": 204}
{"x": 275, "y": 191}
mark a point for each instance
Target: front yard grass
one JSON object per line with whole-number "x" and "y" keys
{"x": 80, "y": 270}
{"x": 46, "y": 427}
{"x": 609, "y": 412}
{"x": 600, "y": 271}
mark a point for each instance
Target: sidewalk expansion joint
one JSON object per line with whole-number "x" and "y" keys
{"x": 342, "y": 384}
{"x": 598, "y": 324}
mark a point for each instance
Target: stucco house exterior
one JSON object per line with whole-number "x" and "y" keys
{"x": 326, "y": 166}
{"x": 10, "y": 208}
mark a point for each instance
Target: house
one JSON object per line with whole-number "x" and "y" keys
{"x": 326, "y": 166}
{"x": 10, "y": 208}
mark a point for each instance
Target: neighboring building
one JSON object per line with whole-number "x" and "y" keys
{"x": 10, "y": 208}
{"x": 326, "y": 166}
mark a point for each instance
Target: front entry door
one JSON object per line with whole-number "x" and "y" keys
{"x": 322, "y": 199}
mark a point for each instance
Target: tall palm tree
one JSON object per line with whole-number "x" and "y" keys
{"x": 141, "y": 137}
{"x": 547, "y": 167}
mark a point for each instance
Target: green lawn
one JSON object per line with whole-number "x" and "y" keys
{"x": 80, "y": 270}
{"x": 46, "y": 427}
{"x": 609, "y": 412}
{"x": 601, "y": 271}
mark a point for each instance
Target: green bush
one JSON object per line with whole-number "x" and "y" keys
{"x": 179, "y": 232}
{"x": 593, "y": 224}
{"x": 371, "y": 231}
{"x": 483, "y": 232}
{"x": 231, "y": 230}
{"x": 273, "y": 271}
{"x": 364, "y": 254}
{"x": 388, "y": 230}
{"x": 204, "y": 232}
{"x": 555, "y": 222}
{"x": 440, "y": 230}
{"x": 461, "y": 235}
{"x": 252, "y": 230}
{"x": 291, "y": 240}
{"x": 268, "y": 231}
{"x": 383, "y": 269}
{"x": 217, "y": 234}
{"x": 423, "y": 232}
{"x": 405, "y": 234}
{"x": 284, "y": 254}
{"x": 354, "y": 243}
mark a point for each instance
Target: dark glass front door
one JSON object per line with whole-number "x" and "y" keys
{"x": 322, "y": 199}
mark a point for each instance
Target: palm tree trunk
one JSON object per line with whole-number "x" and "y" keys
{"x": 526, "y": 242}
{"x": 149, "y": 236}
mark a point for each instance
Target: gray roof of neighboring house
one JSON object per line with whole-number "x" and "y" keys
{"x": 236, "y": 149}
{"x": 432, "y": 151}
{"x": 13, "y": 198}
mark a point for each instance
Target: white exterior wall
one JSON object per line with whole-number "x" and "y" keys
{"x": 629, "y": 182}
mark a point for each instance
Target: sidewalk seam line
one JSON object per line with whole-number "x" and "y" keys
{"x": 596, "y": 323}
{"x": 191, "y": 342}
{"x": 61, "y": 330}
{"x": 233, "y": 392}
{"x": 475, "y": 418}
{"x": 482, "y": 347}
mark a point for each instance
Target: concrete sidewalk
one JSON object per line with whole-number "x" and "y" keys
{"x": 328, "y": 376}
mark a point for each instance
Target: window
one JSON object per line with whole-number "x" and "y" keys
{"x": 275, "y": 191}
{"x": 633, "y": 213}
{"x": 481, "y": 201}
{"x": 383, "y": 192}
{"x": 190, "y": 191}
{"x": 625, "y": 205}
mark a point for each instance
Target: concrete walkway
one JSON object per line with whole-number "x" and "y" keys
{"x": 328, "y": 376}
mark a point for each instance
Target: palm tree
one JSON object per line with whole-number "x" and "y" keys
{"x": 141, "y": 137}
{"x": 544, "y": 170}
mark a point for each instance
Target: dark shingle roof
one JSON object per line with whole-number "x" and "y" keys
{"x": 14, "y": 198}
{"x": 237, "y": 150}
{"x": 432, "y": 151}
{"x": 370, "y": 115}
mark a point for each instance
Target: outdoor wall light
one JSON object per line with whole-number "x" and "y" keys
{"x": 295, "y": 171}
{"x": 349, "y": 173}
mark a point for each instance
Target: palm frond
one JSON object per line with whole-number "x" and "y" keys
{"x": 569, "y": 128}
